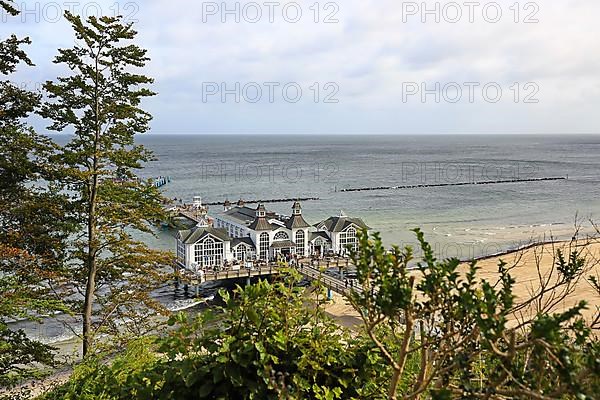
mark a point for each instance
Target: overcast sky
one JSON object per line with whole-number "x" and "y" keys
{"x": 372, "y": 67}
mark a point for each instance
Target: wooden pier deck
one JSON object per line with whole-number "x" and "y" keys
{"x": 202, "y": 277}
{"x": 312, "y": 272}
{"x": 268, "y": 201}
{"x": 189, "y": 214}
{"x": 330, "y": 282}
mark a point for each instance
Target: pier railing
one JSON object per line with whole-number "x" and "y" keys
{"x": 330, "y": 282}
{"x": 208, "y": 276}
{"x": 315, "y": 272}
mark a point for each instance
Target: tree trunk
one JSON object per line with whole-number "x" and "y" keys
{"x": 393, "y": 390}
{"x": 90, "y": 289}
{"x": 89, "y": 295}
{"x": 91, "y": 264}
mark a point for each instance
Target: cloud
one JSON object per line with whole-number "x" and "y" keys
{"x": 373, "y": 50}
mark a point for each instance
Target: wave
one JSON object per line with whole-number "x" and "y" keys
{"x": 180, "y": 305}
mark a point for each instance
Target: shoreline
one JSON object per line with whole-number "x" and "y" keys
{"x": 523, "y": 263}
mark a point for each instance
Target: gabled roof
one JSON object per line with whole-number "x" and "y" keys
{"x": 296, "y": 222}
{"x": 197, "y": 234}
{"x": 339, "y": 224}
{"x": 315, "y": 235}
{"x": 245, "y": 240}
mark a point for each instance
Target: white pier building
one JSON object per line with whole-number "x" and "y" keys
{"x": 239, "y": 234}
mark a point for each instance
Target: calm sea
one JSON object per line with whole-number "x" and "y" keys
{"x": 458, "y": 220}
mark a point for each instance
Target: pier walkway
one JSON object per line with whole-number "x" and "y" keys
{"x": 196, "y": 278}
{"x": 195, "y": 213}
{"x": 330, "y": 282}
{"x": 310, "y": 271}
{"x": 192, "y": 215}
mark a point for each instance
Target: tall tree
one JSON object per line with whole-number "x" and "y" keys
{"x": 32, "y": 227}
{"x": 99, "y": 102}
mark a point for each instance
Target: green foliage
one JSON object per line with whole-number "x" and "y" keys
{"x": 17, "y": 353}
{"x": 8, "y": 6}
{"x": 95, "y": 380}
{"x": 264, "y": 343}
{"x": 466, "y": 344}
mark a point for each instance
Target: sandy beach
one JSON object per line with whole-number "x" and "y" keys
{"x": 523, "y": 266}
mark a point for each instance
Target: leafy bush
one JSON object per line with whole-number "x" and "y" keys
{"x": 432, "y": 332}
{"x": 468, "y": 347}
{"x": 264, "y": 343}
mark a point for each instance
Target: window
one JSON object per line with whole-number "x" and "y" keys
{"x": 242, "y": 252}
{"x": 180, "y": 251}
{"x": 264, "y": 246}
{"x": 209, "y": 253}
{"x": 348, "y": 239}
{"x": 300, "y": 243}
{"x": 281, "y": 236}
{"x": 198, "y": 252}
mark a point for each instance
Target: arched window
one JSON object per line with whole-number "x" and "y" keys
{"x": 198, "y": 251}
{"x": 348, "y": 239}
{"x": 263, "y": 245}
{"x": 300, "y": 243}
{"x": 281, "y": 236}
{"x": 209, "y": 253}
{"x": 241, "y": 252}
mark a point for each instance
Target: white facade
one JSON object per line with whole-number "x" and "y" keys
{"x": 342, "y": 232}
{"x": 240, "y": 234}
{"x": 208, "y": 251}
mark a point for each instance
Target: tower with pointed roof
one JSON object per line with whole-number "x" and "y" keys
{"x": 260, "y": 222}
{"x": 299, "y": 229}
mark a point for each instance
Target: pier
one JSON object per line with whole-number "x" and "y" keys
{"x": 434, "y": 185}
{"x": 311, "y": 271}
{"x": 331, "y": 283}
{"x": 191, "y": 214}
{"x": 200, "y": 277}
